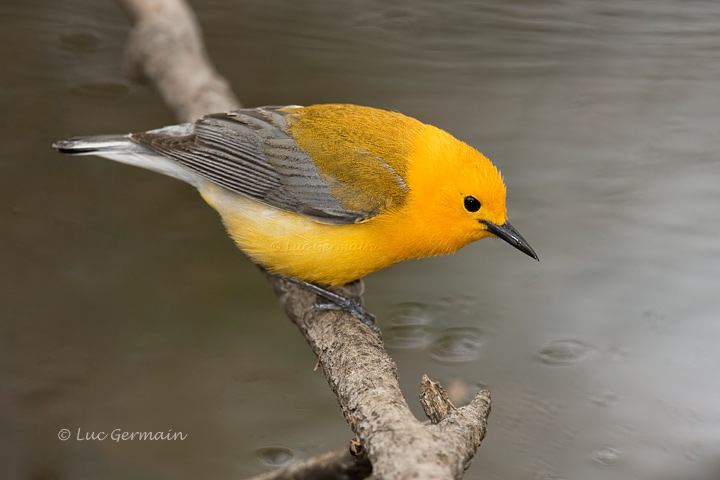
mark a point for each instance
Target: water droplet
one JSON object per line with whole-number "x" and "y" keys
{"x": 457, "y": 345}
{"x": 274, "y": 456}
{"x": 607, "y": 456}
{"x": 408, "y": 326}
{"x": 563, "y": 352}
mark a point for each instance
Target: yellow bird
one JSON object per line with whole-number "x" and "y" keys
{"x": 326, "y": 194}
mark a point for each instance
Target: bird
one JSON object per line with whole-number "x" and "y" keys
{"x": 326, "y": 194}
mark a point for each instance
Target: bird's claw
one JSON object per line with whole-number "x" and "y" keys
{"x": 338, "y": 302}
{"x": 356, "y": 311}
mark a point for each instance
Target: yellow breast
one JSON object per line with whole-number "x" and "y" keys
{"x": 292, "y": 245}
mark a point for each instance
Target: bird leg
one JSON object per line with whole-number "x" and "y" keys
{"x": 338, "y": 302}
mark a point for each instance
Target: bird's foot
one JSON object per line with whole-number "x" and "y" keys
{"x": 356, "y": 311}
{"x": 338, "y": 302}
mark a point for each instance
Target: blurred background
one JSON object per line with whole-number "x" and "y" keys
{"x": 124, "y": 305}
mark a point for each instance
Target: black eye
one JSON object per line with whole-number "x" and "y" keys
{"x": 472, "y": 204}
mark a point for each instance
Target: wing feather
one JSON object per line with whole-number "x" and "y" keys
{"x": 250, "y": 152}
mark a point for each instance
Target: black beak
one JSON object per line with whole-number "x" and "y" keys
{"x": 508, "y": 233}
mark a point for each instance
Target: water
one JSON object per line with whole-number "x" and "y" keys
{"x": 124, "y": 306}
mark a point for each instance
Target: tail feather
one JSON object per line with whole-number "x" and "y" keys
{"x": 95, "y": 144}
{"x": 121, "y": 148}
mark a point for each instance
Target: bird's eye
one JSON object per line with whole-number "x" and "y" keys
{"x": 472, "y": 204}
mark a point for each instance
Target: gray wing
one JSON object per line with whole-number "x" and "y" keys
{"x": 249, "y": 152}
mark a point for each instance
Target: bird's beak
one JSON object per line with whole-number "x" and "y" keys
{"x": 508, "y": 233}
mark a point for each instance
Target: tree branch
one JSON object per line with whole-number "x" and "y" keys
{"x": 335, "y": 465}
{"x": 165, "y": 47}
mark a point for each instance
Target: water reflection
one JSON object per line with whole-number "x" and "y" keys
{"x": 275, "y": 456}
{"x": 408, "y": 325}
{"x": 563, "y": 352}
{"x": 607, "y": 456}
{"x": 457, "y": 345}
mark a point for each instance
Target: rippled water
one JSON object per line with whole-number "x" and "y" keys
{"x": 124, "y": 306}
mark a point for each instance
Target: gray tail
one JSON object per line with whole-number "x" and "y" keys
{"x": 121, "y": 148}
{"x": 98, "y": 143}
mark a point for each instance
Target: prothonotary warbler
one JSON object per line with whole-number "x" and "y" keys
{"x": 326, "y": 194}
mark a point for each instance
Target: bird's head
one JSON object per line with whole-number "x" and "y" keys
{"x": 462, "y": 193}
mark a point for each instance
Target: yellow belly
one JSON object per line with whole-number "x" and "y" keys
{"x": 292, "y": 245}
